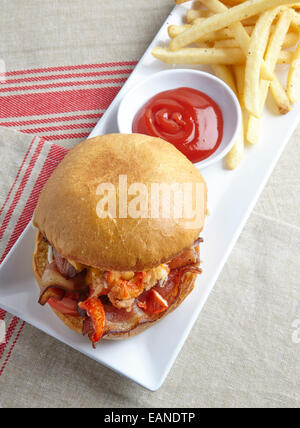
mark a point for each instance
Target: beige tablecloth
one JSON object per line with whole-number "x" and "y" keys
{"x": 241, "y": 352}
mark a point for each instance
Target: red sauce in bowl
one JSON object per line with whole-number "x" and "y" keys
{"x": 185, "y": 117}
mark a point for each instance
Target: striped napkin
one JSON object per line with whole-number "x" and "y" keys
{"x": 61, "y": 104}
{"x": 28, "y": 163}
{"x": 54, "y": 108}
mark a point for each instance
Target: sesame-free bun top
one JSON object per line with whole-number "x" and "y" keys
{"x": 67, "y": 213}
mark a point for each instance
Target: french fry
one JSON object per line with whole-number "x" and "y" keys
{"x": 257, "y": 47}
{"x": 229, "y": 43}
{"x": 250, "y": 21}
{"x": 205, "y": 56}
{"x": 271, "y": 57}
{"x": 209, "y": 56}
{"x": 285, "y": 57}
{"x": 239, "y": 73}
{"x": 253, "y": 130}
{"x": 295, "y": 27}
{"x": 226, "y": 33}
{"x": 279, "y": 94}
{"x": 196, "y": 4}
{"x": 280, "y": 97}
{"x": 233, "y": 31}
{"x": 293, "y": 84}
{"x": 222, "y": 20}
{"x": 203, "y": 45}
{"x": 239, "y": 33}
{"x": 290, "y": 40}
{"x": 272, "y": 54}
{"x": 180, "y": 1}
{"x": 225, "y": 38}
{"x": 224, "y": 73}
{"x": 175, "y": 30}
{"x": 296, "y": 18}
{"x": 193, "y": 14}
{"x": 236, "y": 154}
{"x": 232, "y": 2}
{"x": 254, "y": 124}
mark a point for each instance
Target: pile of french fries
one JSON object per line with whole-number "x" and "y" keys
{"x": 242, "y": 41}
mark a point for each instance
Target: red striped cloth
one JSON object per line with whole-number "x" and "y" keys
{"x": 40, "y": 159}
{"x": 54, "y": 104}
{"x": 60, "y": 103}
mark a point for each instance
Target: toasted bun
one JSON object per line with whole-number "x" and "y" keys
{"x": 40, "y": 261}
{"x": 66, "y": 211}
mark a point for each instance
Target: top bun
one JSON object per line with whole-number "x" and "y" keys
{"x": 67, "y": 215}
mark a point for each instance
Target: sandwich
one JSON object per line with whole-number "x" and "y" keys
{"x": 114, "y": 252}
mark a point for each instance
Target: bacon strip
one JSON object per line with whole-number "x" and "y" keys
{"x": 169, "y": 292}
{"x": 154, "y": 303}
{"x": 121, "y": 321}
{"x": 55, "y": 293}
{"x": 191, "y": 269}
{"x": 63, "y": 266}
{"x": 118, "y": 320}
{"x": 55, "y": 285}
{"x": 198, "y": 242}
{"x": 190, "y": 256}
{"x": 88, "y": 328}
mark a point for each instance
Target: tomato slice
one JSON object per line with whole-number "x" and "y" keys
{"x": 66, "y": 306}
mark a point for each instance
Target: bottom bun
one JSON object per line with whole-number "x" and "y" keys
{"x": 40, "y": 261}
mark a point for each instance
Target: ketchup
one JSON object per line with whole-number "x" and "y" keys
{"x": 185, "y": 117}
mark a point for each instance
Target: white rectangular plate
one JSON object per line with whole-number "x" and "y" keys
{"x": 147, "y": 358}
